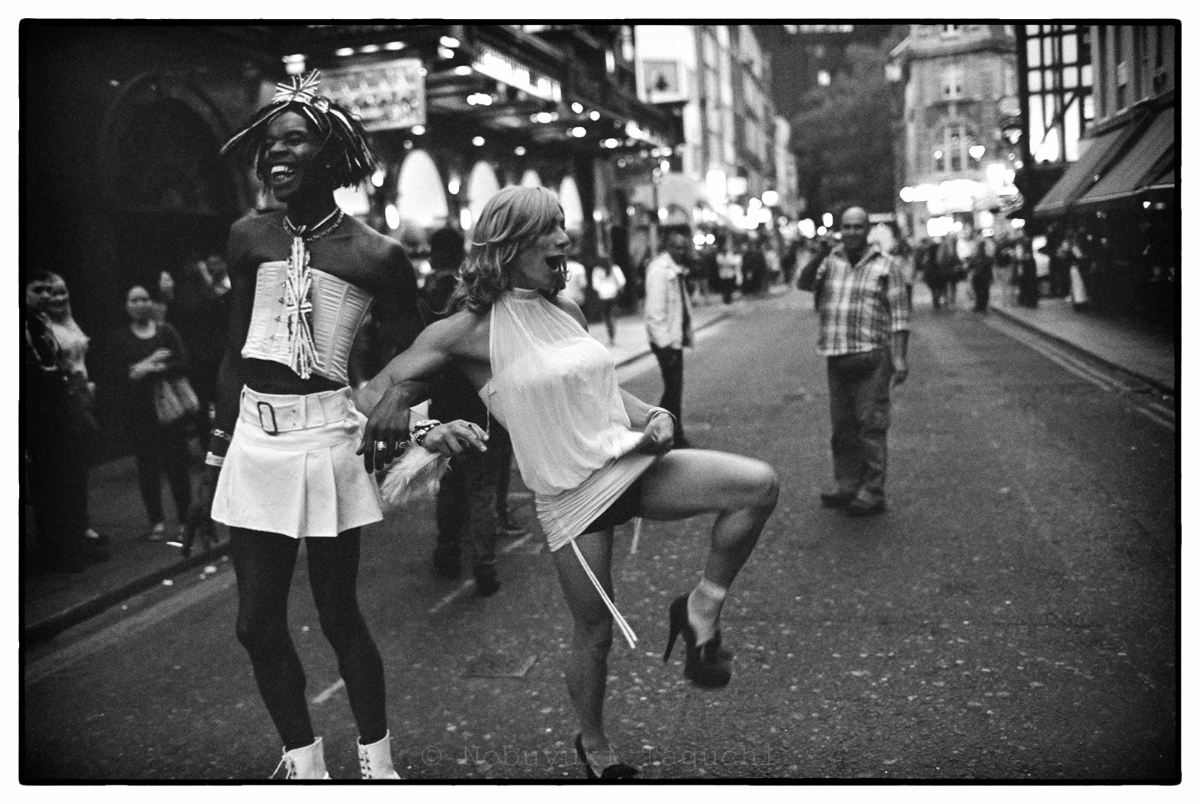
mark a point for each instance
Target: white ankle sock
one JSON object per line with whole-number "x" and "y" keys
{"x": 704, "y": 609}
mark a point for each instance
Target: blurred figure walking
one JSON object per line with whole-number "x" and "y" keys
{"x": 609, "y": 280}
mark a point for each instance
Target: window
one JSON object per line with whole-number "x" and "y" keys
{"x": 952, "y": 30}
{"x": 951, "y": 149}
{"x": 1058, "y": 74}
{"x": 952, "y": 81}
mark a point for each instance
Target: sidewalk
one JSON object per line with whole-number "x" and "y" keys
{"x": 51, "y": 603}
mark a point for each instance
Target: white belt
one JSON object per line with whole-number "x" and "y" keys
{"x": 280, "y": 413}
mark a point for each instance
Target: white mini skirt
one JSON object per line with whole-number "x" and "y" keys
{"x": 292, "y": 469}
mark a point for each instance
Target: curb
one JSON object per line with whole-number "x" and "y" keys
{"x": 721, "y": 316}
{"x": 55, "y": 624}
{"x": 1157, "y": 385}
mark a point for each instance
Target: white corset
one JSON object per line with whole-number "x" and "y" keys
{"x": 338, "y": 311}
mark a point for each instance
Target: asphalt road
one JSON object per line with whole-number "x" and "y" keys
{"x": 1012, "y": 617}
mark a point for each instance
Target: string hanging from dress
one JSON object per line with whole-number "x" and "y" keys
{"x": 297, "y": 293}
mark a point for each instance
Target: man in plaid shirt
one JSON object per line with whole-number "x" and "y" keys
{"x": 864, "y": 314}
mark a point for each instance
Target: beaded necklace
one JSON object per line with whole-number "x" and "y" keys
{"x": 297, "y": 295}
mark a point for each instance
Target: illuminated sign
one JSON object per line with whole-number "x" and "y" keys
{"x": 383, "y": 96}
{"x": 508, "y": 70}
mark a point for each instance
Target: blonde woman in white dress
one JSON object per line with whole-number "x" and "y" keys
{"x": 593, "y": 455}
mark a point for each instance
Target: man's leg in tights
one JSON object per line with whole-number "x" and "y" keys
{"x": 264, "y": 563}
{"x": 333, "y": 573}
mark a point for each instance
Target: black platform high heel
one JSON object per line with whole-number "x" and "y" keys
{"x": 618, "y": 771}
{"x": 707, "y": 665}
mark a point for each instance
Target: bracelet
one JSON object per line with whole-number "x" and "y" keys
{"x": 421, "y": 429}
{"x": 655, "y": 411}
{"x": 212, "y": 459}
{"x": 221, "y": 434}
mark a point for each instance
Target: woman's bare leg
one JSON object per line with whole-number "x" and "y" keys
{"x": 743, "y": 491}
{"x": 587, "y": 670}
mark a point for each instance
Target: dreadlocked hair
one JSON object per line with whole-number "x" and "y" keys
{"x": 344, "y": 151}
{"x": 511, "y": 220}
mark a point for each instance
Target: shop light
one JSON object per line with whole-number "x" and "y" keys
{"x": 408, "y": 145}
{"x": 579, "y": 131}
{"x": 664, "y": 166}
{"x": 827, "y": 221}
{"x": 477, "y": 141}
{"x": 821, "y": 230}
{"x": 479, "y": 99}
{"x": 977, "y": 152}
{"x": 392, "y": 216}
{"x": 394, "y": 46}
{"x": 519, "y": 150}
{"x": 418, "y": 130}
{"x": 544, "y": 117}
{"x": 754, "y": 203}
{"x": 577, "y": 107}
{"x": 770, "y": 198}
{"x": 344, "y": 51}
{"x": 463, "y": 69}
{"x": 369, "y": 49}
{"x": 454, "y": 185}
{"x": 611, "y": 142}
{"x": 449, "y": 42}
{"x": 377, "y": 178}
{"x": 594, "y": 115}
{"x": 445, "y": 53}
{"x": 464, "y": 218}
{"x": 698, "y": 239}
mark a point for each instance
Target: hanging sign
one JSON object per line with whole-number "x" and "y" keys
{"x": 383, "y": 96}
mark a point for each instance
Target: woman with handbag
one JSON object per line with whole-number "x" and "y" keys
{"x": 151, "y": 358}
{"x": 594, "y": 455}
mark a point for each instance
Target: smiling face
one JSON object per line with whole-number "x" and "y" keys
{"x": 38, "y": 294}
{"x": 56, "y": 304}
{"x": 288, "y": 159}
{"x": 138, "y": 304}
{"x": 542, "y": 263}
{"x": 854, "y": 229}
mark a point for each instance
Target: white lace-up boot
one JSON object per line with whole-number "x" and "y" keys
{"x": 304, "y": 763}
{"x": 375, "y": 759}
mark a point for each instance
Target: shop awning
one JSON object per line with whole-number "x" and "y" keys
{"x": 1099, "y": 152}
{"x": 1141, "y": 165}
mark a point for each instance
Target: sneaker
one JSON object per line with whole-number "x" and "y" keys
{"x": 181, "y": 537}
{"x": 860, "y": 506}
{"x": 157, "y": 533}
{"x": 836, "y": 498}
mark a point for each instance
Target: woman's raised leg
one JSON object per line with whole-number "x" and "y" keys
{"x": 743, "y": 491}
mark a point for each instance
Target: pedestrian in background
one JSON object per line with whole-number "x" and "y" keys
{"x": 669, "y": 322}
{"x": 593, "y": 455}
{"x": 72, "y": 354}
{"x": 863, "y": 334}
{"x": 148, "y": 352}
{"x": 926, "y": 259}
{"x": 53, "y": 436}
{"x": 472, "y": 499}
{"x": 608, "y": 280}
{"x": 201, "y": 317}
{"x": 729, "y": 266}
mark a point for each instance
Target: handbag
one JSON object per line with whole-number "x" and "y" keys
{"x": 174, "y": 399}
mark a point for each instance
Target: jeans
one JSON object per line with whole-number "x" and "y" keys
{"x": 472, "y": 497}
{"x": 860, "y": 411}
{"x": 671, "y": 362}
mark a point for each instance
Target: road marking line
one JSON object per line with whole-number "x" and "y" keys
{"x": 329, "y": 692}
{"x": 469, "y": 585}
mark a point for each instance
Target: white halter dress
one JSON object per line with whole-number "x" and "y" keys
{"x": 554, "y": 388}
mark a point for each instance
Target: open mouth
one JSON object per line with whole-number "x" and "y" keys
{"x": 280, "y": 174}
{"x": 558, "y": 264}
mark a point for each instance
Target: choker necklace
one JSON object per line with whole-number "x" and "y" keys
{"x": 297, "y": 293}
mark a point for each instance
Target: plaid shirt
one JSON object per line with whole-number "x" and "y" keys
{"x": 860, "y": 305}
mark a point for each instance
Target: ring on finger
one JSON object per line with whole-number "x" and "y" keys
{"x": 381, "y": 445}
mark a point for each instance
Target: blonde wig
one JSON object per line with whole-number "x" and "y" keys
{"x": 509, "y": 222}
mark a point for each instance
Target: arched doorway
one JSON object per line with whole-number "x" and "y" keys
{"x": 421, "y": 196}
{"x": 170, "y": 197}
{"x": 531, "y": 179}
{"x": 481, "y": 186}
